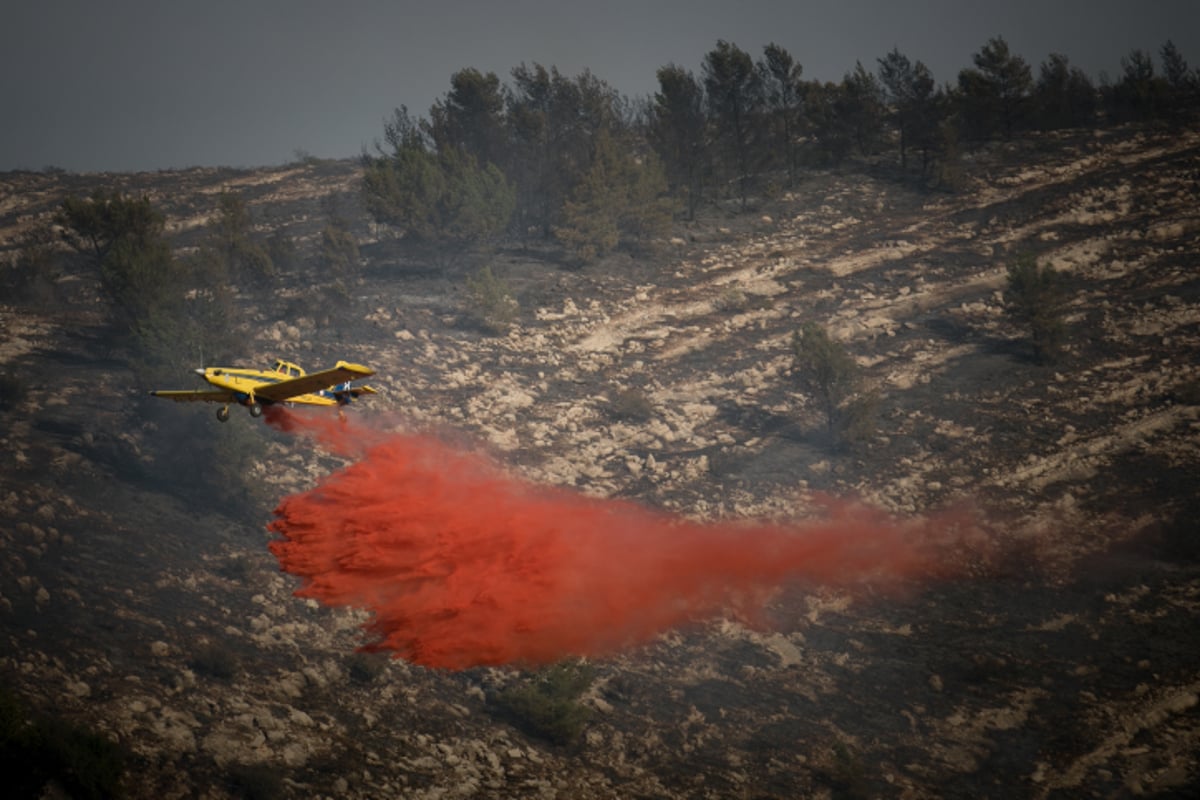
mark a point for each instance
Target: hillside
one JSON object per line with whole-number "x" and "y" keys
{"x": 1060, "y": 663}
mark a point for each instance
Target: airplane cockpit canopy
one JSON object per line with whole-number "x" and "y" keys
{"x": 288, "y": 368}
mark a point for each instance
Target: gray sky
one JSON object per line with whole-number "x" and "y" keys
{"x": 153, "y": 84}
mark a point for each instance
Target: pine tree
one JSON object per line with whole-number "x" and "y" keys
{"x": 677, "y": 133}
{"x": 995, "y": 93}
{"x": 1064, "y": 96}
{"x": 910, "y": 89}
{"x": 783, "y": 104}
{"x": 439, "y": 198}
{"x": 733, "y": 88}
{"x": 620, "y": 197}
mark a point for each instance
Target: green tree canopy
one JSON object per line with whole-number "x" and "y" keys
{"x": 910, "y": 89}
{"x": 848, "y": 115}
{"x": 123, "y": 237}
{"x": 470, "y": 117}
{"x": 676, "y": 131}
{"x": 1064, "y": 96}
{"x": 1175, "y": 68}
{"x": 1140, "y": 94}
{"x": 95, "y": 225}
{"x": 996, "y": 90}
{"x": 1182, "y": 84}
{"x": 783, "y": 103}
{"x": 824, "y": 367}
{"x": 552, "y": 122}
{"x": 734, "y": 91}
{"x": 238, "y": 256}
{"x": 173, "y": 309}
{"x": 825, "y": 111}
{"x": 863, "y": 107}
{"x": 439, "y": 198}
{"x": 620, "y": 197}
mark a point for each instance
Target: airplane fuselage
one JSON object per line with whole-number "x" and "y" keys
{"x": 284, "y": 383}
{"x": 246, "y": 383}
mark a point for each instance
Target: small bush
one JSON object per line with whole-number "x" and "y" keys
{"x": 735, "y": 300}
{"x": 325, "y": 304}
{"x": 365, "y": 668}
{"x": 1036, "y": 297}
{"x": 256, "y": 266}
{"x": 281, "y": 250}
{"x": 631, "y": 405}
{"x": 1188, "y": 393}
{"x": 36, "y": 267}
{"x": 256, "y": 781}
{"x": 732, "y": 300}
{"x": 339, "y": 251}
{"x": 215, "y": 662}
{"x": 34, "y": 753}
{"x": 828, "y": 372}
{"x": 848, "y": 773}
{"x": 88, "y": 765}
{"x": 857, "y": 419}
{"x": 12, "y": 391}
{"x": 547, "y": 705}
{"x": 490, "y": 302}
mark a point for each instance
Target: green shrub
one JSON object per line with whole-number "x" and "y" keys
{"x": 281, "y": 250}
{"x": 1188, "y": 392}
{"x": 1036, "y": 297}
{"x": 848, "y": 773}
{"x": 490, "y": 302}
{"x": 857, "y": 418}
{"x": 12, "y": 391}
{"x": 88, "y": 764}
{"x": 35, "y": 269}
{"x": 242, "y": 258}
{"x": 256, "y": 781}
{"x": 829, "y": 373}
{"x": 365, "y": 668}
{"x": 35, "y": 752}
{"x": 631, "y": 405}
{"x": 732, "y": 300}
{"x": 339, "y": 251}
{"x": 735, "y": 300}
{"x": 547, "y": 705}
{"x": 125, "y": 239}
{"x": 215, "y": 662}
{"x": 256, "y": 266}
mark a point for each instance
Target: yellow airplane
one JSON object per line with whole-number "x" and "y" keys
{"x": 283, "y": 383}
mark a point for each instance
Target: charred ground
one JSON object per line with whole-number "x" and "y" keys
{"x": 140, "y": 600}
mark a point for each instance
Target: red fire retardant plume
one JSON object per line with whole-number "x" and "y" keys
{"x": 462, "y": 564}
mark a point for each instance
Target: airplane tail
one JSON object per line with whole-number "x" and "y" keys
{"x": 345, "y": 393}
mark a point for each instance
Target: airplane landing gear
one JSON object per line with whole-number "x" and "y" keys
{"x": 256, "y": 410}
{"x": 223, "y": 413}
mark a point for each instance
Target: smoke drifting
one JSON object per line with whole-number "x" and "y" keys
{"x": 462, "y": 564}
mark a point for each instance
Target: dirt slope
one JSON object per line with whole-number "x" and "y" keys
{"x": 1066, "y": 668}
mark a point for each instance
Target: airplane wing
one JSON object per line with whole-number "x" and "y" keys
{"x": 193, "y": 395}
{"x": 313, "y": 382}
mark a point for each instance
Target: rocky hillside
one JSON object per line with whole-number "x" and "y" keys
{"x": 1064, "y": 666}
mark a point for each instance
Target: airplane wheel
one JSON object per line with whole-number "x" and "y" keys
{"x": 256, "y": 409}
{"x": 223, "y": 413}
